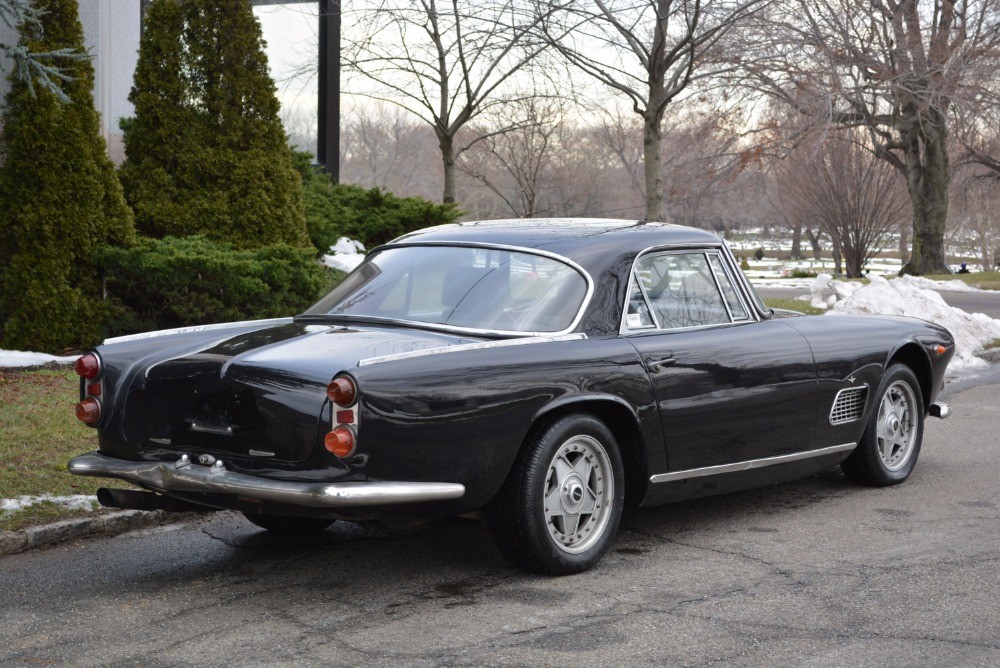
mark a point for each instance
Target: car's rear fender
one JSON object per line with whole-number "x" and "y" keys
{"x": 631, "y": 432}
{"x": 463, "y": 416}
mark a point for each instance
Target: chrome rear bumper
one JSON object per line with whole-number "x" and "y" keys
{"x": 184, "y": 476}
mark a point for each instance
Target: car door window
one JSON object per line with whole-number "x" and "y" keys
{"x": 736, "y": 307}
{"x": 682, "y": 290}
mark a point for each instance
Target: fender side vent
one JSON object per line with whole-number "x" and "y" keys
{"x": 849, "y": 405}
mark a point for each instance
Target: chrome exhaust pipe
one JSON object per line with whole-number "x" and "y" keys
{"x": 131, "y": 499}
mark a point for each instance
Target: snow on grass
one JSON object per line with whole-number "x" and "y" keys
{"x": 954, "y": 285}
{"x": 73, "y": 502}
{"x": 18, "y": 358}
{"x": 905, "y": 296}
{"x": 345, "y": 255}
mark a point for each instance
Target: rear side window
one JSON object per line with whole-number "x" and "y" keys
{"x": 682, "y": 290}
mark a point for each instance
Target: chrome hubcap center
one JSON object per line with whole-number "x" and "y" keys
{"x": 572, "y": 493}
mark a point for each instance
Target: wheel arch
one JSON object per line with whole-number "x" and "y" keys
{"x": 620, "y": 418}
{"x": 914, "y": 356}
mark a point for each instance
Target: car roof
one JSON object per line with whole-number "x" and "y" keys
{"x": 579, "y": 239}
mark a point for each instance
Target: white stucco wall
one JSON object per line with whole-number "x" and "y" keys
{"x": 111, "y": 31}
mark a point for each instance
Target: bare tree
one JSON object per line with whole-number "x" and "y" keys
{"x": 844, "y": 189}
{"x": 977, "y": 214}
{"x": 517, "y": 165}
{"x": 897, "y": 68}
{"x": 446, "y": 61}
{"x": 649, "y": 51}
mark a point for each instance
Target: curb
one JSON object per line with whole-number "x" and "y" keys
{"x": 109, "y": 524}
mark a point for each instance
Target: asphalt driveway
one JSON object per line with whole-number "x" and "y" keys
{"x": 818, "y": 572}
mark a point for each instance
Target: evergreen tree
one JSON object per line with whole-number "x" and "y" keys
{"x": 206, "y": 151}
{"x": 60, "y": 201}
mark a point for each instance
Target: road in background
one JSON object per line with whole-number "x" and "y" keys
{"x": 819, "y": 572}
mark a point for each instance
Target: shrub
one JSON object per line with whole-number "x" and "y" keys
{"x": 803, "y": 273}
{"x": 371, "y": 216}
{"x": 59, "y": 199}
{"x": 758, "y": 254}
{"x": 206, "y": 151}
{"x": 176, "y": 282}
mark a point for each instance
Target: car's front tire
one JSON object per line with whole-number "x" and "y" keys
{"x": 890, "y": 445}
{"x": 559, "y": 508}
{"x": 288, "y": 525}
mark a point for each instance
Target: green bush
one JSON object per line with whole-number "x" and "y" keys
{"x": 758, "y": 254}
{"x": 803, "y": 273}
{"x": 371, "y": 216}
{"x": 177, "y": 282}
{"x": 60, "y": 200}
{"x": 206, "y": 151}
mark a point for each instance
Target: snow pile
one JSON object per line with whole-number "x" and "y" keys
{"x": 17, "y": 358}
{"x": 953, "y": 285}
{"x": 74, "y": 502}
{"x": 782, "y": 283}
{"x": 345, "y": 255}
{"x": 904, "y": 297}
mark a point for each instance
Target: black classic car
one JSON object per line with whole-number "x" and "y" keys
{"x": 541, "y": 374}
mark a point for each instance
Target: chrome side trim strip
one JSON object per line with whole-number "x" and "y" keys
{"x": 184, "y": 476}
{"x": 482, "y": 345}
{"x": 749, "y": 464}
{"x": 198, "y": 328}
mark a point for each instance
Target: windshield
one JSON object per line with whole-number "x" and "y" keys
{"x": 472, "y": 288}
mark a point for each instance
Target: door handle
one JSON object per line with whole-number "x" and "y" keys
{"x": 655, "y": 365}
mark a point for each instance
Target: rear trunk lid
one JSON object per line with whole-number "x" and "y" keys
{"x": 261, "y": 394}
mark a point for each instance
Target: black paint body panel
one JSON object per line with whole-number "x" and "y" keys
{"x": 731, "y": 393}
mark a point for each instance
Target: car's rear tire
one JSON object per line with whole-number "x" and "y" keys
{"x": 890, "y": 445}
{"x": 289, "y": 525}
{"x": 559, "y": 508}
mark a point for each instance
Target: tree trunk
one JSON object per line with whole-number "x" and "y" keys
{"x": 904, "y": 243}
{"x": 814, "y": 242}
{"x": 651, "y": 141}
{"x": 446, "y": 143}
{"x": 927, "y": 177}
{"x": 797, "y": 242}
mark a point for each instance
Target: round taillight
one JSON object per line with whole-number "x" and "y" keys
{"x": 88, "y": 411}
{"x": 88, "y": 366}
{"x": 342, "y": 391}
{"x": 340, "y": 441}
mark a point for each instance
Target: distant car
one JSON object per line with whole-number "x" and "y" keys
{"x": 540, "y": 373}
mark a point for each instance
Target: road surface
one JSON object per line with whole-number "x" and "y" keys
{"x": 818, "y": 572}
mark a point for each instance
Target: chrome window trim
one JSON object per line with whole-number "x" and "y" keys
{"x": 736, "y": 291}
{"x": 473, "y": 330}
{"x": 649, "y": 306}
{"x": 751, "y": 297}
{"x": 724, "y": 256}
{"x": 749, "y": 464}
{"x": 718, "y": 284}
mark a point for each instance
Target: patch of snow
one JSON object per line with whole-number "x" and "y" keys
{"x": 953, "y": 285}
{"x": 345, "y": 255}
{"x": 74, "y": 502}
{"x": 347, "y": 246}
{"x": 18, "y": 358}
{"x": 785, "y": 283}
{"x": 904, "y": 297}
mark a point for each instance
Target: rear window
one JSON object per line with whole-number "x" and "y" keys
{"x": 474, "y": 288}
